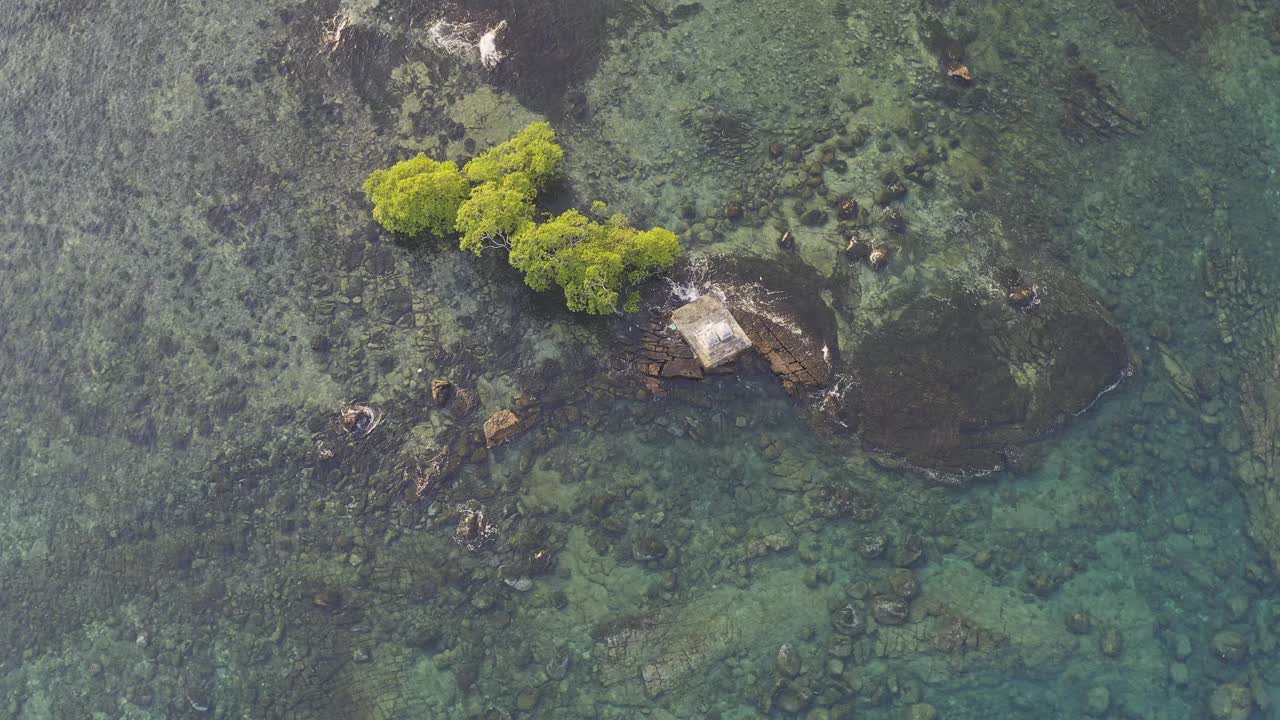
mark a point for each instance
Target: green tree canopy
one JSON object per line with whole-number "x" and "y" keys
{"x": 593, "y": 262}
{"x": 495, "y": 212}
{"x": 533, "y": 152}
{"x": 417, "y": 195}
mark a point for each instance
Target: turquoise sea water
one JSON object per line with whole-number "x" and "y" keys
{"x": 192, "y": 291}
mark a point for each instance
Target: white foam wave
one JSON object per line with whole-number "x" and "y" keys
{"x": 751, "y": 297}
{"x": 469, "y": 41}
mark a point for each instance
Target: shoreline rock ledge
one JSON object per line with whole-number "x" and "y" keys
{"x": 958, "y": 381}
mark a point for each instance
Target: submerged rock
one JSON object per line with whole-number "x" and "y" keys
{"x": 441, "y": 391}
{"x": 848, "y": 620}
{"x": 500, "y": 427}
{"x": 954, "y": 379}
{"x": 1112, "y": 642}
{"x": 1230, "y": 702}
{"x": 890, "y": 610}
{"x": 790, "y": 698}
{"x": 789, "y": 663}
{"x": 1229, "y": 646}
{"x": 1098, "y": 701}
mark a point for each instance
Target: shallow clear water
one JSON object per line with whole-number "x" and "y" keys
{"x": 193, "y": 290}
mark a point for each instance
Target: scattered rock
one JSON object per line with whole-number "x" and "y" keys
{"x": 848, "y": 620}
{"x": 1229, "y": 646}
{"x": 500, "y": 427}
{"x": 473, "y": 530}
{"x": 1098, "y": 702}
{"x": 923, "y": 711}
{"x": 959, "y": 72}
{"x": 359, "y": 420}
{"x": 789, "y": 663}
{"x": 526, "y": 699}
{"x": 1112, "y": 642}
{"x": 1079, "y": 622}
{"x": 1230, "y": 701}
{"x": 890, "y": 610}
{"x": 441, "y": 391}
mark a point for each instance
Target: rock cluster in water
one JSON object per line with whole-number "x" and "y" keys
{"x": 957, "y": 380}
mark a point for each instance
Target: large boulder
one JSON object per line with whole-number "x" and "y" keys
{"x": 950, "y": 369}
{"x": 957, "y": 381}
{"x": 500, "y": 427}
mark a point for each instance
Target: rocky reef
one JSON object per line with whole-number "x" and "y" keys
{"x": 955, "y": 378}
{"x": 245, "y": 464}
{"x": 961, "y": 381}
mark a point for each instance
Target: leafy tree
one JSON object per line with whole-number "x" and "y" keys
{"x": 495, "y": 212}
{"x": 533, "y": 152}
{"x": 655, "y": 248}
{"x": 417, "y": 195}
{"x": 591, "y": 262}
{"x": 535, "y": 250}
{"x": 591, "y": 275}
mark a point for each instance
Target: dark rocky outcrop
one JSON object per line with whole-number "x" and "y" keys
{"x": 947, "y": 373}
{"x": 954, "y": 382}
{"x": 1092, "y": 108}
{"x": 794, "y": 333}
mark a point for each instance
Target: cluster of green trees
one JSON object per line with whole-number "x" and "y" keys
{"x": 490, "y": 203}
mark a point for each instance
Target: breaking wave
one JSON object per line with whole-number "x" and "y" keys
{"x": 470, "y": 41}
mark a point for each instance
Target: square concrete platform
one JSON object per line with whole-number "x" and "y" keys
{"x": 709, "y": 328}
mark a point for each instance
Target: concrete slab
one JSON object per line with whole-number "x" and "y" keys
{"x": 710, "y": 329}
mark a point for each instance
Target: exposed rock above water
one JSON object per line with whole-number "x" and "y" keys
{"x": 796, "y": 337}
{"x": 953, "y": 378}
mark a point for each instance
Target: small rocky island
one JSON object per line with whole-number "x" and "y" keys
{"x": 958, "y": 381}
